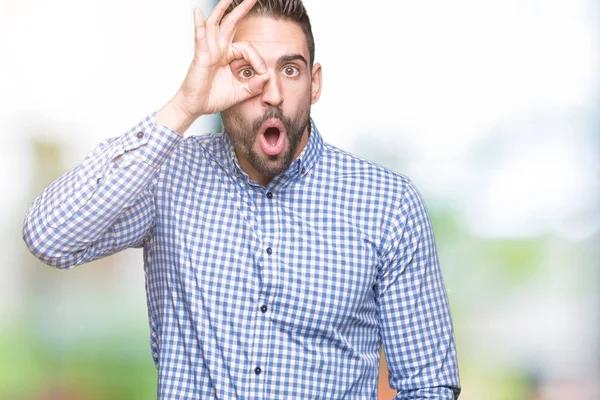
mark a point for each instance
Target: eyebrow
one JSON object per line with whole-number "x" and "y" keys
{"x": 292, "y": 57}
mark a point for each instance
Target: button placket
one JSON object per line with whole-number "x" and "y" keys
{"x": 268, "y": 219}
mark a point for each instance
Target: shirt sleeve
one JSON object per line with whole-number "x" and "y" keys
{"x": 416, "y": 325}
{"x": 101, "y": 206}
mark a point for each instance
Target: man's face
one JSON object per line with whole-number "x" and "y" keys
{"x": 270, "y": 130}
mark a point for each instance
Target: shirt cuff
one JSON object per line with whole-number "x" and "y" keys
{"x": 152, "y": 143}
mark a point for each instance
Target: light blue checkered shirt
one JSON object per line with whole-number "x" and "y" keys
{"x": 280, "y": 292}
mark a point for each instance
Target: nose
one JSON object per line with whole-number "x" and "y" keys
{"x": 271, "y": 94}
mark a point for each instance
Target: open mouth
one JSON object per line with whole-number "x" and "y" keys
{"x": 272, "y": 137}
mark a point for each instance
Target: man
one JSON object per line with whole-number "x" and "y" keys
{"x": 276, "y": 264}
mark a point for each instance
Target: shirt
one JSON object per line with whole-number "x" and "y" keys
{"x": 283, "y": 291}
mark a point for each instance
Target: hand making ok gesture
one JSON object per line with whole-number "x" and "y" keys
{"x": 210, "y": 86}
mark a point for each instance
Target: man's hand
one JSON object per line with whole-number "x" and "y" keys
{"x": 210, "y": 86}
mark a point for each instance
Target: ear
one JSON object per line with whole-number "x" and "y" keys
{"x": 316, "y": 84}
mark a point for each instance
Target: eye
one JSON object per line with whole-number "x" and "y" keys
{"x": 291, "y": 71}
{"x": 246, "y": 73}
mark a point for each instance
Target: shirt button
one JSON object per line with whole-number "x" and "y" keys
{"x": 269, "y": 195}
{"x": 140, "y": 135}
{"x": 99, "y": 180}
{"x": 263, "y": 308}
{"x": 257, "y": 370}
{"x": 303, "y": 170}
{"x": 269, "y": 251}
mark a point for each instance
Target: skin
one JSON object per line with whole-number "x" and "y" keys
{"x": 238, "y": 70}
{"x": 287, "y": 95}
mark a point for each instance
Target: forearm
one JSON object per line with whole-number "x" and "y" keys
{"x": 100, "y": 206}
{"x": 173, "y": 116}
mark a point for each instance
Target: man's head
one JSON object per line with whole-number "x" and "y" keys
{"x": 268, "y": 131}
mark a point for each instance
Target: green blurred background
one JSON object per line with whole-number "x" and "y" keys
{"x": 492, "y": 108}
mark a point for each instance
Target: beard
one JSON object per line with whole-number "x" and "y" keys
{"x": 244, "y": 133}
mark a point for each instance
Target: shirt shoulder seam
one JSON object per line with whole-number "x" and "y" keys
{"x": 335, "y": 149}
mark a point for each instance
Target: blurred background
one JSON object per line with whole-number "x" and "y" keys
{"x": 491, "y": 107}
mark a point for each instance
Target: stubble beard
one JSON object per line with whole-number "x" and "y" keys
{"x": 244, "y": 134}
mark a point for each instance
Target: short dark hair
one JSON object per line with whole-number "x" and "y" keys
{"x": 292, "y": 10}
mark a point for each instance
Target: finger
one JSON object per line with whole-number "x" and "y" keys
{"x": 252, "y": 86}
{"x": 246, "y": 51}
{"x": 215, "y": 17}
{"x": 230, "y": 22}
{"x": 200, "y": 41}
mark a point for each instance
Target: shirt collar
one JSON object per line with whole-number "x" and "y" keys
{"x": 301, "y": 166}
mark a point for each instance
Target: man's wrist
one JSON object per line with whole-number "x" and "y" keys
{"x": 173, "y": 117}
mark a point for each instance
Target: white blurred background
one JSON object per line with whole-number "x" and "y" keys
{"x": 491, "y": 107}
